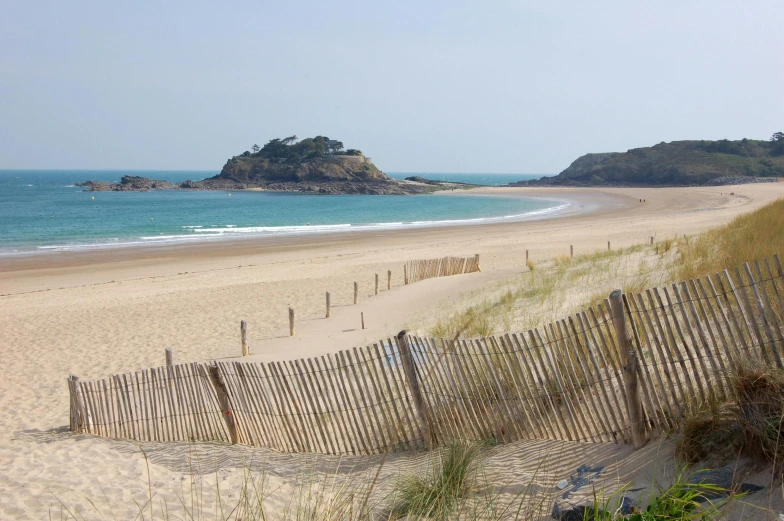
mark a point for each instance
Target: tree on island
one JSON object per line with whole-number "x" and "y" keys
{"x": 255, "y": 148}
{"x": 308, "y": 149}
{"x": 777, "y": 140}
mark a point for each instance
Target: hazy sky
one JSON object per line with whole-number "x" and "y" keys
{"x": 442, "y": 86}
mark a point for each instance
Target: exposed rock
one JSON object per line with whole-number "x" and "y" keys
{"x": 444, "y": 184}
{"x": 128, "y": 183}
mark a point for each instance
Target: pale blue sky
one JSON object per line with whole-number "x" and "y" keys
{"x": 447, "y": 86}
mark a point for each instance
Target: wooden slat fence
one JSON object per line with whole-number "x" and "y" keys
{"x": 562, "y": 381}
{"x": 417, "y": 270}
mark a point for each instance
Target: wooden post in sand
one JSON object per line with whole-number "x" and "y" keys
{"x": 356, "y": 292}
{"x": 327, "y": 304}
{"x": 571, "y": 250}
{"x": 413, "y": 384}
{"x": 389, "y": 279}
{"x": 526, "y": 256}
{"x": 244, "y": 335}
{"x": 376, "y": 283}
{"x": 78, "y": 410}
{"x": 608, "y": 245}
{"x": 169, "y": 357}
{"x": 651, "y": 240}
{"x": 291, "y": 322}
{"x": 362, "y": 316}
{"x": 623, "y": 333}
{"x": 405, "y": 274}
{"x": 478, "y": 267}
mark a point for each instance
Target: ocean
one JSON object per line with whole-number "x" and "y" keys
{"x": 42, "y": 211}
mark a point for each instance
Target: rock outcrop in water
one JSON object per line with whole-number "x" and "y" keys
{"x": 128, "y": 183}
{"x": 680, "y": 163}
{"x": 313, "y": 165}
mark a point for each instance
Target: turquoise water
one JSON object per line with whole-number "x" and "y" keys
{"x": 43, "y": 211}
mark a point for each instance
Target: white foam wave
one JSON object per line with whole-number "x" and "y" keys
{"x": 195, "y": 233}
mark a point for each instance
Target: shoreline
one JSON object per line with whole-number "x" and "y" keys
{"x": 613, "y": 213}
{"x": 240, "y": 234}
{"x": 78, "y": 254}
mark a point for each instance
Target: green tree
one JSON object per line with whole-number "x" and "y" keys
{"x": 777, "y": 136}
{"x": 255, "y": 148}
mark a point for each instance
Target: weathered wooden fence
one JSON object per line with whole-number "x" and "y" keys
{"x": 567, "y": 380}
{"x": 414, "y": 271}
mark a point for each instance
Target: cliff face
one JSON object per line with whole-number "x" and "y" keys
{"x": 679, "y": 163}
{"x": 258, "y": 170}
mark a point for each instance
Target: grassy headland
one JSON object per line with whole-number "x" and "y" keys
{"x": 679, "y": 163}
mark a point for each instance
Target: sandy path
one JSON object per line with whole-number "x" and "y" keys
{"x": 94, "y": 315}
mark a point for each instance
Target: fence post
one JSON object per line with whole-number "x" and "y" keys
{"x": 376, "y": 283}
{"x": 478, "y": 267}
{"x": 608, "y": 245}
{"x": 169, "y": 357}
{"x": 78, "y": 410}
{"x": 389, "y": 279}
{"x": 405, "y": 274}
{"x": 571, "y": 250}
{"x": 223, "y": 400}
{"x": 413, "y": 384}
{"x": 327, "y": 304}
{"x": 651, "y": 240}
{"x": 526, "y": 256}
{"x": 362, "y": 315}
{"x": 629, "y": 361}
{"x": 244, "y": 335}
{"x": 291, "y": 322}
{"x": 356, "y": 292}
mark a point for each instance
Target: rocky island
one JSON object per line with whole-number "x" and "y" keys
{"x": 679, "y": 163}
{"x": 313, "y": 165}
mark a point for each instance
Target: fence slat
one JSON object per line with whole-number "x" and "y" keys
{"x": 528, "y": 402}
{"x": 749, "y": 312}
{"x": 660, "y": 359}
{"x": 343, "y": 436}
{"x": 763, "y": 308}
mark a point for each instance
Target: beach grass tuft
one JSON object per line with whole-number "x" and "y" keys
{"x": 437, "y": 495}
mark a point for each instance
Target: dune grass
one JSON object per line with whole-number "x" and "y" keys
{"x": 556, "y": 288}
{"x": 755, "y": 235}
{"x": 552, "y": 290}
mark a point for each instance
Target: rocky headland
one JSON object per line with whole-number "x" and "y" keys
{"x": 679, "y": 163}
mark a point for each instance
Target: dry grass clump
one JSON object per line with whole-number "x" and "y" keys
{"x": 760, "y": 392}
{"x": 664, "y": 246}
{"x": 710, "y": 433}
{"x": 752, "y": 424}
{"x": 755, "y": 235}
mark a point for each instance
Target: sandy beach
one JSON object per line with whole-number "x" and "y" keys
{"x": 103, "y": 312}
